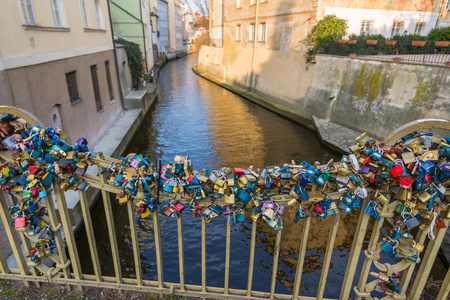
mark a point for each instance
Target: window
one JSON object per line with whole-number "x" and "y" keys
{"x": 396, "y": 28}
{"x": 71, "y": 79}
{"x": 252, "y": 2}
{"x": 238, "y": 3}
{"x": 84, "y": 15}
{"x": 262, "y": 32}
{"x": 366, "y": 27}
{"x": 238, "y": 32}
{"x": 98, "y": 14}
{"x": 264, "y": 1}
{"x": 28, "y": 12}
{"x": 98, "y": 100}
{"x": 447, "y": 5}
{"x": 419, "y": 28}
{"x": 251, "y": 36}
{"x": 56, "y": 13}
{"x": 108, "y": 79}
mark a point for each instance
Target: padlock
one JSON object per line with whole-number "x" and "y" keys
{"x": 273, "y": 222}
{"x": 20, "y": 222}
{"x": 411, "y": 223}
{"x": 387, "y": 247}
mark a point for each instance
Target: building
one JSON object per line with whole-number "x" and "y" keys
{"x": 131, "y": 20}
{"x": 57, "y": 62}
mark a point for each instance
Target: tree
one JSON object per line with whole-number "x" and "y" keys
{"x": 330, "y": 28}
{"x": 203, "y": 5}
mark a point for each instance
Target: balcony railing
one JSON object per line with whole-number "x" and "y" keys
{"x": 423, "y": 52}
{"x": 34, "y": 271}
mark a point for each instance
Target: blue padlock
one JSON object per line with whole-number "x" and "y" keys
{"x": 344, "y": 207}
{"x": 387, "y": 247}
{"x": 118, "y": 180}
{"x": 244, "y": 196}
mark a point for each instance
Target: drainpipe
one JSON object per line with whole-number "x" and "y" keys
{"x": 254, "y": 46}
{"x": 122, "y": 103}
{"x": 441, "y": 8}
{"x": 143, "y": 36}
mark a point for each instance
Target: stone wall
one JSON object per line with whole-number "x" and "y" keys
{"x": 364, "y": 95}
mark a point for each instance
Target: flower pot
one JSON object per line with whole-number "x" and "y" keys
{"x": 372, "y": 42}
{"x": 442, "y": 44}
{"x": 418, "y": 43}
{"x": 390, "y": 43}
{"x": 352, "y": 41}
{"x": 447, "y": 63}
{"x": 342, "y": 41}
{"x": 353, "y": 55}
{"x": 397, "y": 59}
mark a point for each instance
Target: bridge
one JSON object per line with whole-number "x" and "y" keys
{"x": 33, "y": 173}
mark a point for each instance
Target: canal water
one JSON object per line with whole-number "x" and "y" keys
{"x": 217, "y": 128}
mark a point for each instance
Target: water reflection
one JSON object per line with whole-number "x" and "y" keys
{"x": 218, "y": 128}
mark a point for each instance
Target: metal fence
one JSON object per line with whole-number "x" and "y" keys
{"x": 423, "y": 52}
{"x": 60, "y": 271}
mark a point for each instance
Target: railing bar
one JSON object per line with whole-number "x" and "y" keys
{"x": 275, "y": 264}
{"x": 10, "y": 199}
{"x": 354, "y": 253}
{"x": 328, "y": 254}
{"x": 134, "y": 241}
{"x": 58, "y": 239}
{"x": 111, "y": 227}
{"x": 251, "y": 261}
{"x": 90, "y": 234}
{"x": 301, "y": 257}
{"x": 158, "y": 249}
{"x": 372, "y": 244}
{"x": 27, "y": 247}
{"x": 227, "y": 256}
{"x": 407, "y": 274}
{"x": 445, "y": 288}
{"x": 203, "y": 255}
{"x": 68, "y": 232}
{"x": 427, "y": 262}
{"x": 180, "y": 250}
{"x": 3, "y": 263}
{"x": 13, "y": 240}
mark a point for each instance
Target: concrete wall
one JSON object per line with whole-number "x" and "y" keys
{"x": 126, "y": 82}
{"x": 363, "y": 95}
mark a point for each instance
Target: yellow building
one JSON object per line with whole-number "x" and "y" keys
{"x": 57, "y": 61}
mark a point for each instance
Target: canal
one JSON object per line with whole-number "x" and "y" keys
{"x": 217, "y": 128}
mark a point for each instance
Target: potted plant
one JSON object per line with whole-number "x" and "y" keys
{"x": 342, "y": 41}
{"x": 390, "y": 43}
{"x": 442, "y": 44}
{"x": 397, "y": 59}
{"x": 418, "y": 43}
{"x": 353, "y": 55}
{"x": 352, "y": 41}
{"x": 372, "y": 42}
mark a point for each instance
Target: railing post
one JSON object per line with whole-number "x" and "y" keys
{"x": 445, "y": 288}
{"x": 251, "y": 259}
{"x": 227, "y": 256}
{"x": 354, "y": 253}
{"x": 427, "y": 262}
{"x": 328, "y": 254}
{"x": 180, "y": 251}
{"x": 301, "y": 257}
{"x": 158, "y": 249}
{"x": 90, "y": 235}
{"x": 68, "y": 232}
{"x": 276, "y": 256}
{"x": 203, "y": 255}
{"x": 134, "y": 241}
{"x": 13, "y": 240}
{"x": 111, "y": 227}
{"x": 57, "y": 233}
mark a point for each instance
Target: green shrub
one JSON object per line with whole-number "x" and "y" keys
{"x": 439, "y": 34}
{"x": 134, "y": 56}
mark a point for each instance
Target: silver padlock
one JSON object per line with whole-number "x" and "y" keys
{"x": 273, "y": 223}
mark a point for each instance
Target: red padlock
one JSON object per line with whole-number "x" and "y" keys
{"x": 367, "y": 161}
{"x": 178, "y": 207}
{"x": 318, "y": 209}
{"x": 440, "y": 225}
{"x": 20, "y": 222}
{"x": 405, "y": 182}
{"x": 141, "y": 207}
{"x": 397, "y": 170}
{"x": 428, "y": 177}
{"x": 372, "y": 178}
{"x": 239, "y": 171}
{"x": 34, "y": 192}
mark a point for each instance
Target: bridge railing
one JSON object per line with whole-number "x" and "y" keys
{"x": 67, "y": 269}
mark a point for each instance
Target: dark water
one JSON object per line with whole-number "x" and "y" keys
{"x": 218, "y": 128}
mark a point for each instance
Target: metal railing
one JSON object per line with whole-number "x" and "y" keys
{"x": 423, "y": 52}
{"x": 59, "y": 272}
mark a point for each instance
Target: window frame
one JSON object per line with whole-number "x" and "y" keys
{"x": 393, "y": 33}
{"x": 239, "y": 3}
{"x": 447, "y": 5}
{"x": 56, "y": 9}
{"x": 252, "y": 2}
{"x": 238, "y": 32}
{"x": 84, "y": 14}
{"x": 420, "y": 25}
{"x": 252, "y": 30}
{"x": 262, "y": 32}
{"x": 264, "y": 1}
{"x": 364, "y": 24}
{"x": 24, "y": 6}
{"x": 98, "y": 17}
{"x": 72, "y": 87}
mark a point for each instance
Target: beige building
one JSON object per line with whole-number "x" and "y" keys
{"x": 57, "y": 61}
